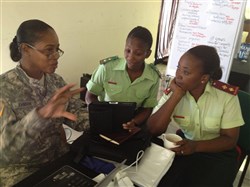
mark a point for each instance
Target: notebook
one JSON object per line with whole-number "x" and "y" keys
{"x": 106, "y": 119}
{"x": 68, "y": 176}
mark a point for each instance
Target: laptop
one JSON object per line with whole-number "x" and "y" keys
{"x": 68, "y": 176}
{"x": 108, "y": 117}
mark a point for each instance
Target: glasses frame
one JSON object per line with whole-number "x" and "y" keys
{"x": 59, "y": 51}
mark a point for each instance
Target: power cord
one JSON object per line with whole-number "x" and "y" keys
{"x": 121, "y": 178}
{"x": 138, "y": 158}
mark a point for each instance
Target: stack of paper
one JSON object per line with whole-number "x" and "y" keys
{"x": 154, "y": 164}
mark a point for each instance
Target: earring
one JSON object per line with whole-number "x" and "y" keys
{"x": 202, "y": 82}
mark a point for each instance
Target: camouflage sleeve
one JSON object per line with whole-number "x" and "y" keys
{"x": 17, "y": 136}
{"x": 79, "y": 108}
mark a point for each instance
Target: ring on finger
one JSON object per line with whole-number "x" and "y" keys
{"x": 182, "y": 152}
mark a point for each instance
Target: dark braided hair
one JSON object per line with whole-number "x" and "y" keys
{"x": 29, "y": 31}
{"x": 143, "y": 34}
{"x": 210, "y": 60}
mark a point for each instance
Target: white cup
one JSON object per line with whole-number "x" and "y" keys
{"x": 170, "y": 139}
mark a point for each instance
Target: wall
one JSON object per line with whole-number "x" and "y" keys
{"x": 247, "y": 16}
{"x": 88, "y": 30}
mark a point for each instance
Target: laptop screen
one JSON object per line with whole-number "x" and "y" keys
{"x": 109, "y": 116}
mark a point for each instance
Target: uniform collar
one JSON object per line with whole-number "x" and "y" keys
{"x": 29, "y": 79}
{"x": 147, "y": 72}
{"x": 121, "y": 65}
{"x": 208, "y": 90}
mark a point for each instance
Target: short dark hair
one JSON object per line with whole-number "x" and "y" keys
{"x": 143, "y": 34}
{"x": 29, "y": 31}
{"x": 210, "y": 60}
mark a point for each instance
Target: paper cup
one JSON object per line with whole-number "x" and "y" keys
{"x": 170, "y": 140}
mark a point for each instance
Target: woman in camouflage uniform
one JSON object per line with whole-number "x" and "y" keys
{"x": 34, "y": 104}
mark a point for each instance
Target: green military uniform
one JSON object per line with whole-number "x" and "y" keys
{"x": 26, "y": 140}
{"x": 203, "y": 120}
{"x": 111, "y": 82}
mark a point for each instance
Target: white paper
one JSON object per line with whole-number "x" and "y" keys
{"x": 71, "y": 134}
{"x": 154, "y": 164}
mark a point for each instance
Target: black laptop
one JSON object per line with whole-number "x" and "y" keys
{"x": 68, "y": 176}
{"x": 107, "y": 117}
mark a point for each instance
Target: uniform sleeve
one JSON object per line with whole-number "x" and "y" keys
{"x": 15, "y": 135}
{"x": 79, "y": 108}
{"x": 95, "y": 84}
{"x": 151, "y": 101}
{"x": 232, "y": 116}
{"x": 162, "y": 100}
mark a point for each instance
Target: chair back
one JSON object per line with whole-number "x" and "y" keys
{"x": 83, "y": 81}
{"x": 244, "y": 137}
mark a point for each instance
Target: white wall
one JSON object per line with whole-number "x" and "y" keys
{"x": 88, "y": 30}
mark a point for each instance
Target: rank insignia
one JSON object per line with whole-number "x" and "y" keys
{"x": 225, "y": 87}
{"x": 106, "y": 60}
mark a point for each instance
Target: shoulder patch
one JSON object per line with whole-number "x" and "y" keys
{"x": 109, "y": 59}
{"x": 156, "y": 69}
{"x": 225, "y": 87}
{"x": 1, "y": 108}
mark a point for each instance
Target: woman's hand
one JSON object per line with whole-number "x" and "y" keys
{"x": 177, "y": 89}
{"x": 56, "y": 107}
{"x": 187, "y": 147}
{"x": 129, "y": 125}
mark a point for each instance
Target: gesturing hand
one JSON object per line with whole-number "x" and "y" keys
{"x": 56, "y": 107}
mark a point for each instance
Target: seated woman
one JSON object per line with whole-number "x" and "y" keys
{"x": 209, "y": 117}
{"x": 34, "y": 103}
{"x": 129, "y": 79}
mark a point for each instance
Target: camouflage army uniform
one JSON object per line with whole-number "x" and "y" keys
{"x": 26, "y": 140}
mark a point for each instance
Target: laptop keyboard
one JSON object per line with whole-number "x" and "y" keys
{"x": 67, "y": 177}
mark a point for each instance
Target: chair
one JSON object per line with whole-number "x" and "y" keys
{"x": 244, "y": 137}
{"x": 83, "y": 81}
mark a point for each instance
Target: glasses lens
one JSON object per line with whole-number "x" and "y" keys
{"x": 60, "y": 52}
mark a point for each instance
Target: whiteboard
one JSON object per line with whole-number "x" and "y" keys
{"x": 215, "y": 23}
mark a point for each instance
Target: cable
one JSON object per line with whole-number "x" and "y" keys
{"x": 138, "y": 157}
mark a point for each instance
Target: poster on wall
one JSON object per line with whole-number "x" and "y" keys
{"x": 215, "y": 23}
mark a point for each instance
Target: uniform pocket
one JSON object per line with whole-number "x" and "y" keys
{"x": 141, "y": 94}
{"x": 212, "y": 124}
{"x": 183, "y": 121}
{"x": 112, "y": 89}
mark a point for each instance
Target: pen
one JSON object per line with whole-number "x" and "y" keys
{"x": 108, "y": 139}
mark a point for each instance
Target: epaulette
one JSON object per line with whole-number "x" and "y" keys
{"x": 225, "y": 87}
{"x": 106, "y": 60}
{"x": 156, "y": 69}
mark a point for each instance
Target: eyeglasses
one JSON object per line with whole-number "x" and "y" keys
{"x": 48, "y": 53}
